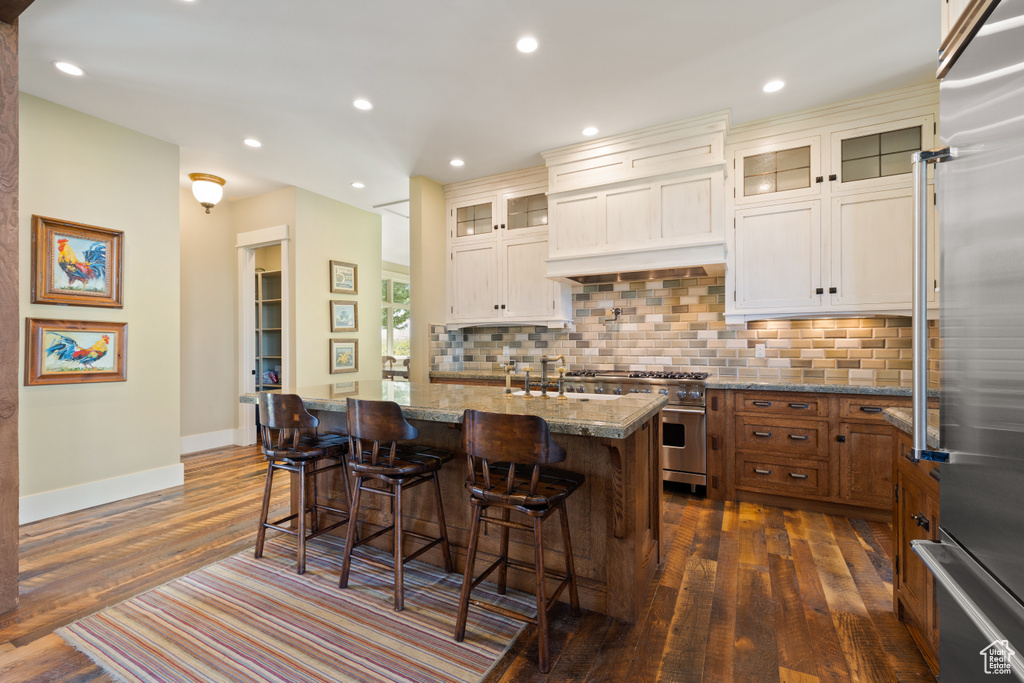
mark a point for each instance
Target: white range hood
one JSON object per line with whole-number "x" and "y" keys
{"x": 647, "y": 201}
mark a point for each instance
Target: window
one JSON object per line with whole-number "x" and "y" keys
{"x": 394, "y": 316}
{"x": 787, "y": 169}
{"x": 881, "y": 154}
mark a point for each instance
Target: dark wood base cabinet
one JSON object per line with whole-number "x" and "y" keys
{"x": 915, "y": 515}
{"x": 826, "y": 452}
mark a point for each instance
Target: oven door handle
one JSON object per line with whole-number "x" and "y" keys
{"x": 694, "y": 410}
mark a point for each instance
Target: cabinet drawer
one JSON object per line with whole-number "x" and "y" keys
{"x": 796, "y": 405}
{"x": 786, "y": 476}
{"x": 868, "y": 408}
{"x": 807, "y": 438}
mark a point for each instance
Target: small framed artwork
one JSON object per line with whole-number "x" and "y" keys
{"x": 343, "y": 277}
{"x": 75, "y": 264}
{"x": 344, "y": 355}
{"x": 75, "y": 352}
{"x": 344, "y": 316}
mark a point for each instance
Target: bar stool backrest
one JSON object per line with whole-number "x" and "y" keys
{"x": 513, "y": 439}
{"x": 286, "y": 414}
{"x": 378, "y": 423}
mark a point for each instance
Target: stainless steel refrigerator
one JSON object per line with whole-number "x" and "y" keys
{"x": 979, "y": 562}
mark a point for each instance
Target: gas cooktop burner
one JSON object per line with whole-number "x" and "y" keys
{"x": 581, "y": 373}
{"x": 669, "y": 375}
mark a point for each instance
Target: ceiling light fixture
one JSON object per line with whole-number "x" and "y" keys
{"x": 589, "y": 131}
{"x": 69, "y": 68}
{"x": 773, "y": 86}
{"x": 252, "y": 142}
{"x": 457, "y": 162}
{"x": 358, "y": 185}
{"x": 364, "y": 105}
{"x": 207, "y": 189}
{"x": 526, "y": 44}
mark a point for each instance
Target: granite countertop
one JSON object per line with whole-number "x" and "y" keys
{"x": 903, "y": 418}
{"x": 612, "y": 417}
{"x": 870, "y": 387}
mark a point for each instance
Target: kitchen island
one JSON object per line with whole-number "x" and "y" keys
{"x": 614, "y": 518}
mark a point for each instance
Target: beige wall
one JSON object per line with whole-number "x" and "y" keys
{"x": 209, "y": 331}
{"x": 428, "y": 249}
{"x": 82, "y": 169}
{"x": 329, "y": 230}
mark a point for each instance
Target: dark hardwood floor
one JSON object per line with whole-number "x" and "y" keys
{"x": 746, "y": 593}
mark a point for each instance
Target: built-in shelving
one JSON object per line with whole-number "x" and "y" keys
{"x": 268, "y": 330}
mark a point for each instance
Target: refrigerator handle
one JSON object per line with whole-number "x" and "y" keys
{"x": 920, "y": 303}
{"x": 937, "y": 556}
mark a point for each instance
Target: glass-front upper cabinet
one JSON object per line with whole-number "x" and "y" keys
{"x": 873, "y": 157}
{"x": 787, "y": 170}
{"x": 523, "y": 211}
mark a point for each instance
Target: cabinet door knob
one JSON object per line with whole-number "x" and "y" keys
{"x": 819, "y": 290}
{"x": 819, "y": 179}
{"x": 495, "y": 306}
{"x": 832, "y": 176}
{"x": 503, "y": 305}
{"x": 832, "y": 290}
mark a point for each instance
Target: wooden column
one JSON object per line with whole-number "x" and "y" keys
{"x": 9, "y": 318}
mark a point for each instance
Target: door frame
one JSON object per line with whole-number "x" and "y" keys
{"x": 247, "y": 243}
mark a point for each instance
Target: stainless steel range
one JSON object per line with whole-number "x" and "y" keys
{"x": 683, "y": 447}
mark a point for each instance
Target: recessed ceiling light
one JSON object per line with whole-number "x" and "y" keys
{"x": 526, "y": 44}
{"x": 365, "y": 105}
{"x": 589, "y": 130}
{"x": 358, "y": 185}
{"x": 457, "y": 162}
{"x": 773, "y": 86}
{"x": 252, "y": 142}
{"x": 69, "y": 68}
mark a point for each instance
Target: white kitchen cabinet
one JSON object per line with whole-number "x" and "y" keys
{"x": 497, "y": 247}
{"x": 645, "y": 200}
{"x": 823, "y": 213}
{"x": 778, "y": 257}
{"x": 872, "y": 241}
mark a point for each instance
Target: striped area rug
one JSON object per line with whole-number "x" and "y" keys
{"x": 243, "y": 619}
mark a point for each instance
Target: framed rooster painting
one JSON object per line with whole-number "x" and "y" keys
{"x": 75, "y": 352}
{"x": 75, "y": 264}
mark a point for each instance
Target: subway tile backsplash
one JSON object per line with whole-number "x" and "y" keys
{"x": 679, "y": 324}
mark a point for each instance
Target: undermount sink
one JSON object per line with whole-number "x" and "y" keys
{"x": 575, "y": 397}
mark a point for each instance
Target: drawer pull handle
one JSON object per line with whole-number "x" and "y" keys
{"x": 757, "y": 471}
{"x": 799, "y": 406}
{"x": 797, "y": 475}
{"x": 870, "y": 409}
{"x": 763, "y": 434}
{"x": 762, "y": 404}
{"x": 798, "y": 437}
{"x": 921, "y": 520}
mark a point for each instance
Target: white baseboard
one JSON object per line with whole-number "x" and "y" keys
{"x": 203, "y": 442}
{"x": 243, "y": 436}
{"x": 61, "y": 501}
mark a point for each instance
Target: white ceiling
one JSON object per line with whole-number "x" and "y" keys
{"x": 445, "y": 77}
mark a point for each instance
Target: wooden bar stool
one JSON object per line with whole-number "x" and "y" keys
{"x": 495, "y": 444}
{"x": 299, "y": 449}
{"x": 374, "y": 430}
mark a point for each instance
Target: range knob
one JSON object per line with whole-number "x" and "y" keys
{"x": 646, "y": 391}
{"x": 694, "y": 393}
{"x": 634, "y": 391}
{"x": 618, "y": 390}
{"x": 663, "y": 392}
{"x": 681, "y": 394}
{"x": 599, "y": 390}
{"x": 579, "y": 389}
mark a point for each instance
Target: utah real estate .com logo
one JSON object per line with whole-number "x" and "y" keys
{"x": 997, "y": 657}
